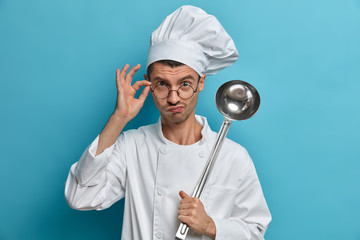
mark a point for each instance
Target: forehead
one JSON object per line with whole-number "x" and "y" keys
{"x": 162, "y": 71}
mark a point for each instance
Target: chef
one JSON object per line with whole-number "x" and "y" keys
{"x": 156, "y": 167}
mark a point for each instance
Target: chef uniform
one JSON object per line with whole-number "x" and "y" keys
{"x": 150, "y": 170}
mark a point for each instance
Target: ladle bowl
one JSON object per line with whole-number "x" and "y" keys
{"x": 237, "y": 100}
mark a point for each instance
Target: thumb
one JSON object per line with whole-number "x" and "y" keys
{"x": 183, "y": 195}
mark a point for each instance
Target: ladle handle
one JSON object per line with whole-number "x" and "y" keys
{"x": 183, "y": 228}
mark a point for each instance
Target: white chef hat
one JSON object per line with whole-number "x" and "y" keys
{"x": 191, "y": 36}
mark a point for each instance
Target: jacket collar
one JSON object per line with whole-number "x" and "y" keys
{"x": 205, "y": 132}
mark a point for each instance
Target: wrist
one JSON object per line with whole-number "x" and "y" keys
{"x": 117, "y": 117}
{"x": 211, "y": 229}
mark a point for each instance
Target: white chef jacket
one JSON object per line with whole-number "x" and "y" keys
{"x": 149, "y": 171}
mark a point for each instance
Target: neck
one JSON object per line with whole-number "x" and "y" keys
{"x": 182, "y": 133}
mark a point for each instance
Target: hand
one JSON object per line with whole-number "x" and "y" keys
{"x": 127, "y": 106}
{"x": 192, "y": 212}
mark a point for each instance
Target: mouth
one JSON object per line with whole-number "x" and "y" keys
{"x": 175, "y": 109}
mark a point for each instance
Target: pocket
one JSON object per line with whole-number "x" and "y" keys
{"x": 220, "y": 202}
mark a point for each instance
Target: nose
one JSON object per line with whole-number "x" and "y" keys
{"x": 173, "y": 97}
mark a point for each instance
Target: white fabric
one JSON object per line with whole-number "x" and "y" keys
{"x": 149, "y": 171}
{"x": 191, "y": 36}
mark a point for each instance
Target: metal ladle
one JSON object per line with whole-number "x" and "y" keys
{"x": 236, "y": 100}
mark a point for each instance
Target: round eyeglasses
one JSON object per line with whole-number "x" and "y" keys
{"x": 184, "y": 91}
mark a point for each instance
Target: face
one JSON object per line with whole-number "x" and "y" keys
{"x": 173, "y": 108}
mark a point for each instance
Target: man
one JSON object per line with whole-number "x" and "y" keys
{"x": 156, "y": 167}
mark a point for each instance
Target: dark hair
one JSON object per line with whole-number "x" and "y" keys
{"x": 166, "y": 62}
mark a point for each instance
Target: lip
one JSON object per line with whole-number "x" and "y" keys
{"x": 175, "y": 109}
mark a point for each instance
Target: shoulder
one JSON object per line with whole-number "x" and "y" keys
{"x": 238, "y": 154}
{"x": 235, "y": 146}
{"x": 139, "y": 136}
{"x": 141, "y": 131}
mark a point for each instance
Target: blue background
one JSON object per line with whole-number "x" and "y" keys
{"x": 57, "y": 90}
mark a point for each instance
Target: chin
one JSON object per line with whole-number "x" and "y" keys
{"x": 177, "y": 118}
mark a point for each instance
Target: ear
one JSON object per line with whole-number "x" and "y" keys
{"x": 146, "y": 77}
{"x": 202, "y": 82}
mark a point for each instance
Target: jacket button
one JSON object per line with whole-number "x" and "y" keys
{"x": 163, "y": 150}
{"x": 158, "y": 234}
{"x": 202, "y": 154}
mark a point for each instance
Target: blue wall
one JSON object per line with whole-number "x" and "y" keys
{"x": 57, "y": 90}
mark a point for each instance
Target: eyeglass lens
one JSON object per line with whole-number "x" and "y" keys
{"x": 183, "y": 92}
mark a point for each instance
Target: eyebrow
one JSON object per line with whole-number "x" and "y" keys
{"x": 179, "y": 80}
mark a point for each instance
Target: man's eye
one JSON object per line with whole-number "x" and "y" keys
{"x": 160, "y": 83}
{"x": 185, "y": 84}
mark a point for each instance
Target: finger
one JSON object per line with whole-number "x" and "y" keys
{"x": 183, "y": 195}
{"x": 137, "y": 85}
{"x": 185, "y": 200}
{"x": 184, "y": 206}
{"x": 185, "y": 213}
{"x": 117, "y": 76}
{"x": 144, "y": 93}
{"x": 130, "y": 75}
{"x": 185, "y": 219}
{"x": 123, "y": 71}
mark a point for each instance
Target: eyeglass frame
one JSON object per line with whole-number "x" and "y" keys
{"x": 177, "y": 91}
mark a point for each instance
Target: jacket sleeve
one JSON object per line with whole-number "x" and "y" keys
{"x": 97, "y": 182}
{"x": 250, "y": 216}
